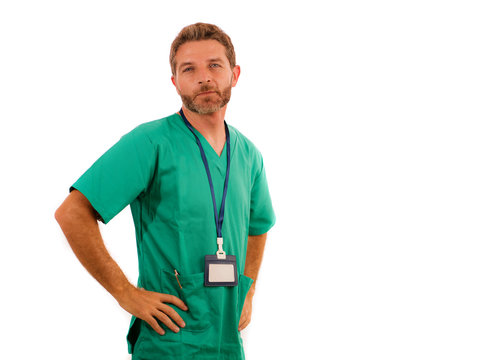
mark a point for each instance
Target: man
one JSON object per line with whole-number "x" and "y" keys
{"x": 196, "y": 187}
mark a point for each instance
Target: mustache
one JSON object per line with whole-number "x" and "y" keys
{"x": 205, "y": 88}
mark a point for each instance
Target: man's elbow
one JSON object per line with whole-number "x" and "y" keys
{"x": 62, "y": 214}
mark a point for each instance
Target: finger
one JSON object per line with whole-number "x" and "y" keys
{"x": 244, "y": 324}
{"x": 154, "y": 324}
{"x": 166, "y": 298}
{"x": 244, "y": 321}
{"x": 172, "y": 314}
{"x": 167, "y": 321}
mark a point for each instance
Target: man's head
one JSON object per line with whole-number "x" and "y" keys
{"x": 198, "y": 32}
{"x": 202, "y": 60}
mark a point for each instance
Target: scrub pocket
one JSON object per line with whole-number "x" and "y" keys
{"x": 245, "y": 283}
{"x": 193, "y": 293}
{"x": 133, "y": 333}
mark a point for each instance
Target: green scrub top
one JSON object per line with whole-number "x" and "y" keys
{"x": 157, "y": 169}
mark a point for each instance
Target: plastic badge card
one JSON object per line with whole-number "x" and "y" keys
{"x": 220, "y": 272}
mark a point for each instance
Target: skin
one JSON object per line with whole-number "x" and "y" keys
{"x": 253, "y": 261}
{"x": 200, "y": 65}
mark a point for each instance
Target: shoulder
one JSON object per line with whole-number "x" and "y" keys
{"x": 243, "y": 141}
{"x": 156, "y": 128}
{"x": 248, "y": 148}
{"x": 155, "y": 132}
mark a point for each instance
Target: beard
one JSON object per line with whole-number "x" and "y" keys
{"x": 207, "y": 104}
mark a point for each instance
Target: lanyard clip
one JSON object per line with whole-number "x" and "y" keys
{"x": 220, "y": 252}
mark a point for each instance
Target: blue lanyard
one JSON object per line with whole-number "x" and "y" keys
{"x": 219, "y": 218}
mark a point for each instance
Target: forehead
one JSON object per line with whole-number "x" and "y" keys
{"x": 202, "y": 50}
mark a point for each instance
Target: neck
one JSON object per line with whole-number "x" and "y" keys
{"x": 211, "y": 126}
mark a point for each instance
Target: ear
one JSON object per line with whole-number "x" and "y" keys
{"x": 173, "y": 80}
{"x": 235, "y": 75}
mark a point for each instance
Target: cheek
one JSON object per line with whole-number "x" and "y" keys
{"x": 180, "y": 88}
{"x": 180, "y": 84}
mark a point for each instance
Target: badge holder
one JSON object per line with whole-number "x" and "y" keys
{"x": 220, "y": 269}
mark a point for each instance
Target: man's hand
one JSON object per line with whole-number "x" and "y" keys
{"x": 150, "y": 306}
{"x": 246, "y": 310}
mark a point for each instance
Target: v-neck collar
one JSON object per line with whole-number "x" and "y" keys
{"x": 209, "y": 150}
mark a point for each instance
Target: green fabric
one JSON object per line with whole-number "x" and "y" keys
{"x": 157, "y": 170}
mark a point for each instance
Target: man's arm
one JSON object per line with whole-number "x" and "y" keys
{"x": 253, "y": 260}
{"x": 78, "y": 221}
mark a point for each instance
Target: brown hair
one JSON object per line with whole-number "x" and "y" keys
{"x": 202, "y": 31}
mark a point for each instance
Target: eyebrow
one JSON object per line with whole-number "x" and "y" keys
{"x": 215, "y": 60}
{"x": 187, "y": 63}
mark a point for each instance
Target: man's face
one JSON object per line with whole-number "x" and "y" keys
{"x": 203, "y": 77}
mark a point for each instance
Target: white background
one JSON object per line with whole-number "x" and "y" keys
{"x": 369, "y": 115}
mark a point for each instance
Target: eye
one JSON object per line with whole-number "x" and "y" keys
{"x": 214, "y": 65}
{"x": 187, "y": 69}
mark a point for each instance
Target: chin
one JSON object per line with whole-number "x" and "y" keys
{"x": 205, "y": 109}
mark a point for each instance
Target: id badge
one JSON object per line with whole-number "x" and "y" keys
{"x": 220, "y": 272}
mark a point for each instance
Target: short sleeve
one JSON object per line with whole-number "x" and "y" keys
{"x": 262, "y": 216}
{"x": 119, "y": 176}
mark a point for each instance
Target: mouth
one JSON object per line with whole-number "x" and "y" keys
{"x": 206, "y": 93}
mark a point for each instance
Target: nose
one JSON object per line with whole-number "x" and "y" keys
{"x": 204, "y": 77}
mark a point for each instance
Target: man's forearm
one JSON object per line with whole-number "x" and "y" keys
{"x": 253, "y": 261}
{"x": 78, "y": 221}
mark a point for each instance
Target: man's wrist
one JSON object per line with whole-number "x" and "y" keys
{"x": 121, "y": 292}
